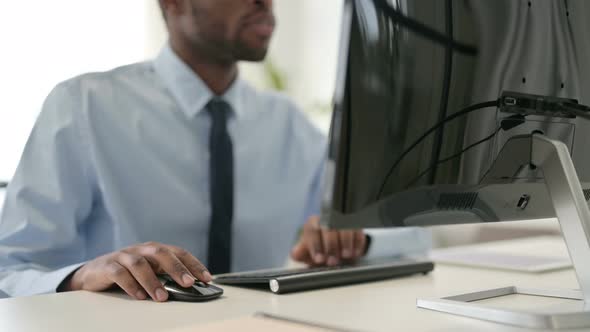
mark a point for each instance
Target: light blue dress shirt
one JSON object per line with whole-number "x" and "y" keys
{"x": 121, "y": 157}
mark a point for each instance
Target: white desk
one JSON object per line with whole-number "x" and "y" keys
{"x": 380, "y": 306}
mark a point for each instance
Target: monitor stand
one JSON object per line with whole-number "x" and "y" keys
{"x": 573, "y": 214}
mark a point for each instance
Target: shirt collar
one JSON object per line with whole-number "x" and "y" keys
{"x": 189, "y": 90}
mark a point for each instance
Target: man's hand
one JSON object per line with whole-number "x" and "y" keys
{"x": 319, "y": 246}
{"x": 134, "y": 270}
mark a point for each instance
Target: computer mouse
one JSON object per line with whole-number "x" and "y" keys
{"x": 196, "y": 293}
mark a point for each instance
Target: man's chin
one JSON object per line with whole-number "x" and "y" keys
{"x": 253, "y": 59}
{"x": 251, "y": 54}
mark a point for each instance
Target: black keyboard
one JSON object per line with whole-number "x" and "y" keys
{"x": 292, "y": 280}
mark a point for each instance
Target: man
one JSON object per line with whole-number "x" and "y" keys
{"x": 150, "y": 167}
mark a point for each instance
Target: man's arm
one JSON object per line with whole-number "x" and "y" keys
{"x": 42, "y": 246}
{"x": 46, "y": 202}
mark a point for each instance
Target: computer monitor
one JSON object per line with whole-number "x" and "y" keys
{"x": 490, "y": 73}
{"x": 468, "y": 111}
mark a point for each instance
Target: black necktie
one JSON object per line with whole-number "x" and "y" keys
{"x": 221, "y": 174}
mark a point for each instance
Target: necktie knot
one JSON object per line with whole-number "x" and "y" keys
{"x": 219, "y": 110}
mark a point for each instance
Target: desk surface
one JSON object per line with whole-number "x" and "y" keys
{"x": 379, "y": 306}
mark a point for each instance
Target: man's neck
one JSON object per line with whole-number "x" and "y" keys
{"x": 217, "y": 75}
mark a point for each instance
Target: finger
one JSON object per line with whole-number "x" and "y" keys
{"x": 169, "y": 263}
{"x": 119, "y": 275}
{"x": 194, "y": 265}
{"x": 347, "y": 244}
{"x": 301, "y": 253}
{"x": 331, "y": 241}
{"x": 312, "y": 237}
{"x": 142, "y": 271}
{"x": 360, "y": 243}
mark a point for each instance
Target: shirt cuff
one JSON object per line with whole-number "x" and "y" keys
{"x": 52, "y": 280}
{"x": 398, "y": 242}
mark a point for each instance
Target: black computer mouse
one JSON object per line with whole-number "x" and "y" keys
{"x": 196, "y": 293}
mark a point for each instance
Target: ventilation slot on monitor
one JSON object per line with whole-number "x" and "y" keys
{"x": 587, "y": 194}
{"x": 457, "y": 201}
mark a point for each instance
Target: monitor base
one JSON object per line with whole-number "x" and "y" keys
{"x": 464, "y": 305}
{"x": 573, "y": 214}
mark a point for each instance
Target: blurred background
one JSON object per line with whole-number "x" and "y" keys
{"x": 46, "y": 42}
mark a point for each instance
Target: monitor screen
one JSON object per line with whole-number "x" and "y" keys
{"x": 424, "y": 131}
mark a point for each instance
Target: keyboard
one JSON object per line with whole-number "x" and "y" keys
{"x": 293, "y": 280}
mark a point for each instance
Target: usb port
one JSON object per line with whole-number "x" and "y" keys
{"x": 509, "y": 101}
{"x": 523, "y": 201}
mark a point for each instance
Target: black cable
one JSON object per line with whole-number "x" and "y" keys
{"x": 424, "y": 30}
{"x": 579, "y": 110}
{"x": 432, "y": 129}
{"x": 458, "y": 154}
{"x": 446, "y": 87}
